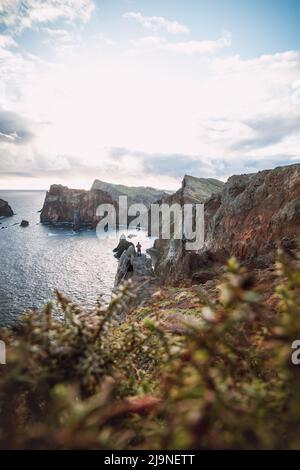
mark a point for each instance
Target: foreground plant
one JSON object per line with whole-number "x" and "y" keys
{"x": 107, "y": 378}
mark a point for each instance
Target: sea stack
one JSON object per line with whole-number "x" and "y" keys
{"x": 5, "y": 209}
{"x": 24, "y": 223}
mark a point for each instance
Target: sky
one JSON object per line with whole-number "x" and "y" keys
{"x": 141, "y": 92}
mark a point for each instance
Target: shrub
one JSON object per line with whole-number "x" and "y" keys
{"x": 109, "y": 378}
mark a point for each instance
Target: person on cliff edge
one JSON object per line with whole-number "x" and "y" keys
{"x": 139, "y": 249}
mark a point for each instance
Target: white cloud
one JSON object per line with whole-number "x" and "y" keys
{"x": 23, "y": 14}
{"x": 60, "y": 35}
{"x": 296, "y": 91}
{"x": 101, "y": 38}
{"x": 200, "y": 47}
{"x": 6, "y": 41}
{"x": 185, "y": 47}
{"x": 157, "y": 23}
{"x": 62, "y": 41}
{"x": 209, "y": 116}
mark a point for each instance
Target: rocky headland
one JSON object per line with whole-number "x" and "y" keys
{"x": 123, "y": 245}
{"x": 5, "y": 209}
{"x": 193, "y": 190}
{"x": 250, "y": 218}
{"x": 63, "y": 205}
{"x": 135, "y": 195}
{"x": 131, "y": 266}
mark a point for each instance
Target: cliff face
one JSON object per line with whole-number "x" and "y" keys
{"x": 5, "y": 209}
{"x": 130, "y": 266}
{"x": 141, "y": 195}
{"x": 165, "y": 254}
{"x": 65, "y": 205}
{"x": 250, "y": 218}
{"x": 194, "y": 190}
{"x": 254, "y": 214}
{"x": 198, "y": 190}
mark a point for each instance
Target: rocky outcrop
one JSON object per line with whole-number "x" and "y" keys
{"x": 24, "y": 223}
{"x": 123, "y": 245}
{"x": 250, "y": 218}
{"x": 165, "y": 253}
{"x": 78, "y": 207}
{"x": 133, "y": 267}
{"x": 194, "y": 190}
{"x": 135, "y": 195}
{"x": 73, "y": 206}
{"x": 254, "y": 215}
{"x": 5, "y": 209}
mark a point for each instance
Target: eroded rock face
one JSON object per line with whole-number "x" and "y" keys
{"x": 250, "y": 218}
{"x": 135, "y": 195}
{"x": 5, "y": 209}
{"x": 74, "y": 206}
{"x": 254, "y": 215}
{"x": 123, "y": 245}
{"x": 167, "y": 256}
{"x": 133, "y": 267}
{"x": 194, "y": 190}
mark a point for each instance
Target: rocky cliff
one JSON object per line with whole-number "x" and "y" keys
{"x": 140, "y": 195}
{"x": 255, "y": 214}
{"x": 193, "y": 190}
{"x": 123, "y": 245}
{"x": 5, "y": 209}
{"x": 78, "y": 207}
{"x": 249, "y": 218}
{"x": 73, "y": 206}
{"x": 130, "y": 266}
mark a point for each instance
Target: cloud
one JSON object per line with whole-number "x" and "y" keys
{"x": 101, "y": 39}
{"x": 177, "y": 165}
{"x": 275, "y": 62}
{"x": 24, "y": 14}
{"x": 60, "y": 35}
{"x": 62, "y": 41}
{"x": 113, "y": 116}
{"x": 174, "y": 165}
{"x": 185, "y": 47}
{"x": 129, "y": 166}
{"x": 14, "y": 128}
{"x": 201, "y": 47}
{"x": 16, "y": 68}
{"x": 268, "y": 130}
{"x": 119, "y": 162}
{"x": 296, "y": 91}
{"x": 157, "y": 23}
{"x": 35, "y": 165}
{"x": 6, "y": 41}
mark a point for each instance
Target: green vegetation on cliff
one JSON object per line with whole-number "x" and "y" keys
{"x": 135, "y": 194}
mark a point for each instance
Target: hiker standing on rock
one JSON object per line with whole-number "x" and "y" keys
{"x": 139, "y": 249}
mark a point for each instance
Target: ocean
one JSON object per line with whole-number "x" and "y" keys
{"x": 38, "y": 259}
